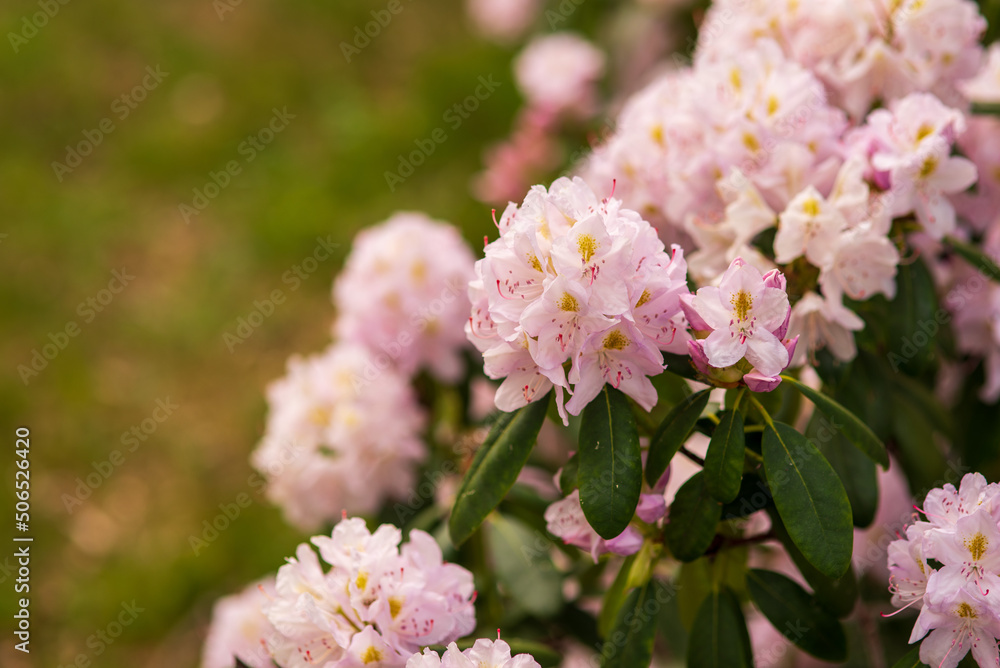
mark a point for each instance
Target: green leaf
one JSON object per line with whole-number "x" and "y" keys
{"x": 694, "y": 584}
{"x": 672, "y": 433}
{"x": 836, "y": 596}
{"x": 694, "y": 515}
{"x": 754, "y": 495}
{"x": 724, "y": 461}
{"x": 796, "y": 615}
{"x": 614, "y": 598}
{"x": 630, "y": 644}
{"x": 719, "y": 638}
{"x": 975, "y": 256}
{"x": 523, "y": 566}
{"x": 568, "y": 475}
{"x": 857, "y": 473}
{"x": 680, "y": 365}
{"x": 810, "y": 499}
{"x": 914, "y": 308}
{"x": 495, "y": 468}
{"x": 910, "y": 660}
{"x": 610, "y": 476}
{"x": 856, "y": 431}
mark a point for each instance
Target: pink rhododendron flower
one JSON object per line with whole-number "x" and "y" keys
{"x": 559, "y": 73}
{"x": 377, "y": 604}
{"x": 910, "y": 147}
{"x": 483, "y": 654}
{"x": 962, "y": 537}
{"x": 239, "y": 629}
{"x": 327, "y": 446}
{"x": 565, "y": 519}
{"x": 402, "y": 294}
{"x": 985, "y": 86}
{"x": 580, "y": 282}
{"x": 502, "y": 20}
{"x": 744, "y": 314}
{"x": 863, "y": 52}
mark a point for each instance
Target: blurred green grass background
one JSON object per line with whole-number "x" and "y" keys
{"x": 162, "y": 336}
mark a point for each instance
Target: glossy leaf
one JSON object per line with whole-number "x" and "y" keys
{"x": 523, "y": 566}
{"x": 614, "y": 598}
{"x": 911, "y": 659}
{"x": 724, "y": 461}
{"x": 793, "y": 612}
{"x": 719, "y": 638}
{"x": 495, "y": 468}
{"x": 810, "y": 499}
{"x": 672, "y": 433}
{"x": 610, "y": 474}
{"x": 694, "y": 515}
{"x": 568, "y": 475}
{"x": 846, "y": 422}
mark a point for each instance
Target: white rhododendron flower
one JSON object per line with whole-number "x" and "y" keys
{"x": 328, "y": 446}
{"x": 558, "y": 73}
{"x": 579, "y": 282}
{"x": 378, "y": 603}
{"x": 240, "y": 630}
{"x": 484, "y": 654}
{"x": 402, "y": 294}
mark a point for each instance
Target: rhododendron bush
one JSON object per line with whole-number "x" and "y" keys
{"x": 702, "y": 398}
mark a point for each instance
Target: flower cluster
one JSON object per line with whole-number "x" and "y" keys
{"x": 949, "y": 565}
{"x": 379, "y": 603}
{"x": 484, "y": 654}
{"x": 402, "y": 293}
{"x": 578, "y": 280}
{"x": 745, "y": 318}
{"x": 328, "y": 447}
{"x": 679, "y": 141}
{"x": 239, "y": 629}
{"x": 863, "y": 52}
{"x": 558, "y": 74}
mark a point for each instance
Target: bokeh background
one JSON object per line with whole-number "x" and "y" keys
{"x": 162, "y": 337}
{"x": 82, "y": 81}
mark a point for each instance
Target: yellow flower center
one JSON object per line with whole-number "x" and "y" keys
{"x": 568, "y": 303}
{"x": 587, "y": 245}
{"x": 811, "y": 207}
{"x": 977, "y": 546}
{"x": 965, "y": 611}
{"x": 930, "y": 164}
{"x": 395, "y": 605}
{"x": 751, "y": 142}
{"x": 362, "y": 580}
{"x": 644, "y": 298}
{"x": 533, "y": 261}
{"x": 371, "y": 655}
{"x": 615, "y": 340}
{"x": 772, "y": 105}
{"x": 742, "y": 303}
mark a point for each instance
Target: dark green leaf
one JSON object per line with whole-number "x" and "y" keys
{"x": 694, "y": 583}
{"x": 719, "y": 638}
{"x": 857, "y": 473}
{"x": 672, "y": 433}
{"x": 495, "y": 468}
{"x": 975, "y": 256}
{"x": 910, "y": 660}
{"x": 797, "y": 616}
{"x": 754, "y": 495}
{"x": 914, "y": 310}
{"x": 810, "y": 499}
{"x": 836, "y": 596}
{"x": 724, "y": 461}
{"x": 843, "y": 420}
{"x": 680, "y": 365}
{"x": 610, "y": 476}
{"x": 694, "y": 515}
{"x": 568, "y": 475}
{"x": 523, "y": 566}
{"x": 919, "y": 454}
{"x": 630, "y": 643}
